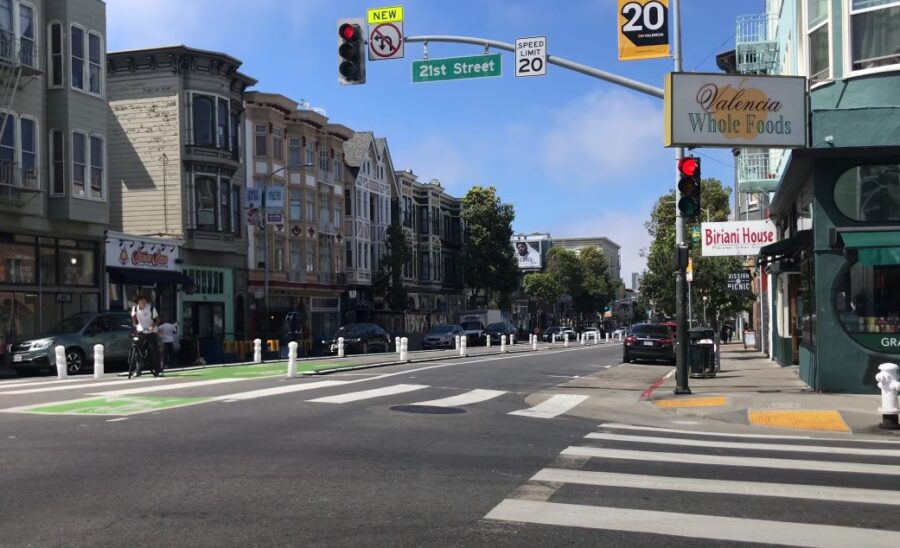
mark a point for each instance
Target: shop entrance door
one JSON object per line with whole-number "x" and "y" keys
{"x": 204, "y": 326}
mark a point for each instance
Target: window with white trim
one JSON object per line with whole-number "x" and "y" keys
{"x": 310, "y": 152}
{"x": 310, "y": 206}
{"x": 296, "y": 255}
{"x": 28, "y": 139}
{"x": 874, "y": 33}
{"x": 311, "y": 256}
{"x": 323, "y": 160}
{"x": 225, "y": 205}
{"x": 57, "y": 163}
{"x": 818, "y": 35}
{"x": 56, "y": 55}
{"x": 79, "y": 163}
{"x": 26, "y": 35}
{"x": 222, "y": 129}
{"x": 97, "y": 163}
{"x": 278, "y": 143}
{"x": 95, "y": 63}
{"x": 8, "y": 150}
{"x": 205, "y": 192}
{"x": 204, "y": 119}
{"x": 77, "y": 63}
{"x": 262, "y": 139}
{"x": 294, "y": 152}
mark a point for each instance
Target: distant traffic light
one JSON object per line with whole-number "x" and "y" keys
{"x": 689, "y": 186}
{"x": 351, "y": 52}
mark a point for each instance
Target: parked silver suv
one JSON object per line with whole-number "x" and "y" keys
{"x": 78, "y": 334}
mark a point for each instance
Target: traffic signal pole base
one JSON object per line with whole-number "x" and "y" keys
{"x": 682, "y": 391}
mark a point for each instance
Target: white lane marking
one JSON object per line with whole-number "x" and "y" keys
{"x": 618, "y": 426}
{"x": 554, "y": 406}
{"x": 263, "y": 392}
{"x": 45, "y": 382}
{"x": 725, "y": 487}
{"x": 669, "y": 374}
{"x": 166, "y": 387}
{"x": 691, "y": 525}
{"x": 819, "y": 449}
{"x": 565, "y": 376}
{"x": 470, "y": 397}
{"x": 120, "y": 419}
{"x": 119, "y": 382}
{"x": 368, "y": 394}
{"x": 606, "y": 366}
{"x": 718, "y": 460}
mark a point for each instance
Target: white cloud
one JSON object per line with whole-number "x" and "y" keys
{"x": 622, "y": 227}
{"x": 604, "y": 135}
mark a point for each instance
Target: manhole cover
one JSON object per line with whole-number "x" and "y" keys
{"x": 428, "y": 409}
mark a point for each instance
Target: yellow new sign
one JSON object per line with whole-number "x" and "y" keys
{"x": 391, "y": 14}
{"x": 643, "y": 29}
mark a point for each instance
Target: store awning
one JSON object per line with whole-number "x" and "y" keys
{"x": 138, "y": 276}
{"x": 873, "y": 247}
{"x": 787, "y": 247}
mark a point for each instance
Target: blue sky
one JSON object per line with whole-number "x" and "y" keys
{"x": 575, "y": 156}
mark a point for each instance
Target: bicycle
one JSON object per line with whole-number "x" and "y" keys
{"x": 139, "y": 351}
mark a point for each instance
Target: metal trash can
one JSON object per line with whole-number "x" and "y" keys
{"x": 702, "y": 352}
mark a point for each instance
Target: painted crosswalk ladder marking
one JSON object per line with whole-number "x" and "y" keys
{"x": 369, "y": 394}
{"x": 554, "y": 406}
{"x": 468, "y": 398}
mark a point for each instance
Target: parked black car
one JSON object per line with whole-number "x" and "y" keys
{"x": 362, "y": 338}
{"x": 474, "y": 332}
{"x": 442, "y": 336}
{"x": 496, "y": 330}
{"x": 649, "y": 341}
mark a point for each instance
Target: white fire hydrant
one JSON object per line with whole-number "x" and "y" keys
{"x": 890, "y": 385}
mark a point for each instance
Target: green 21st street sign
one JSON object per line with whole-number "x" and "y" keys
{"x": 456, "y": 68}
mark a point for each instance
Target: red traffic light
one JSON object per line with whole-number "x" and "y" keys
{"x": 689, "y": 166}
{"x": 349, "y": 32}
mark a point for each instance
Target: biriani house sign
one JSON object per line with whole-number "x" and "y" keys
{"x": 722, "y": 110}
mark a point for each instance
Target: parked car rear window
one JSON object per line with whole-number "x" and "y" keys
{"x": 649, "y": 329}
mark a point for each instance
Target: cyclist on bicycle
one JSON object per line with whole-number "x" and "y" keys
{"x": 146, "y": 323}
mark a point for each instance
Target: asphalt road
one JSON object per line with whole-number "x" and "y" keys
{"x": 338, "y": 461}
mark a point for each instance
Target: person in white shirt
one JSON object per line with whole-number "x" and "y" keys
{"x": 167, "y": 333}
{"x": 146, "y": 323}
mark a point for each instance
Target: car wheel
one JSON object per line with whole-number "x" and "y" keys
{"x": 74, "y": 361}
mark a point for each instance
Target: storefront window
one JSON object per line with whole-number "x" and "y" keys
{"x": 48, "y": 265}
{"x": 78, "y": 267}
{"x": 868, "y": 298}
{"x": 869, "y": 193}
{"x": 17, "y": 264}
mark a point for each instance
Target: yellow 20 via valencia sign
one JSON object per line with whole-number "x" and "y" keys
{"x": 643, "y": 29}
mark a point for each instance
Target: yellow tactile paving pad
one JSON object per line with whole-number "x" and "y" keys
{"x": 824, "y": 421}
{"x": 714, "y": 401}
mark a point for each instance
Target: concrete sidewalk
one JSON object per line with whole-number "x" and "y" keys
{"x": 752, "y": 390}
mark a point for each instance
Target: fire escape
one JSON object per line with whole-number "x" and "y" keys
{"x": 757, "y": 54}
{"x": 19, "y": 65}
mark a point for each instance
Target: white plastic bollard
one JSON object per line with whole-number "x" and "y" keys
{"x": 502, "y": 343}
{"x": 456, "y": 343}
{"x": 554, "y": 338}
{"x": 534, "y": 341}
{"x": 61, "y": 371}
{"x": 581, "y": 339}
{"x": 404, "y": 349}
{"x": 292, "y": 360}
{"x": 889, "y": 384}
{"x": 463, "y": 343}
{"x": 257, "y": 350}
{"x": 607, "y": 337}
{"x": 512, "y": 338}
{"x": 397, "y": 344}
{"x": 596, "y": 337}
{"x": 566, "y": 340}
{"x": 340, "y": 347}
{"x": 98, "y": 361}
{"x": 487, "y": 340}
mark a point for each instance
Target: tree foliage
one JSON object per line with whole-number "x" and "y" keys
{"x": 583, "y": 276}
{"x": 710, "y": 273}
{"x": 388, "y": 281}
{"x": 541, "y": 287}
{"x": 490, "y": 267}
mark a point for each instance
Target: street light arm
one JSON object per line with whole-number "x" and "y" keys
{"x": 552, "y": 59}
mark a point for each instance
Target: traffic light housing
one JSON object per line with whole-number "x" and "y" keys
{"x": 689, "y": 186}
{"x": 351, "y": 52}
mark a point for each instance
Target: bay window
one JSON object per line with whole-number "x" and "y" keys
{"x": 296, "y": 256}
{"x": 262, "y": 139}
{"x": 28, "y": 135}
{"x": 874, "y": 33}
{"x": 26, "y": 35}
{"x": 310, "y": 207}
{"x": 205, "y": 199}
{"x": 222, "y": 137}
{"x": 79, "y": 163}
{"x": 97, "y": 154}
{"x": 295, "y": 205}
{"x": 294, "y": 152}
{"x": 818, "y": 32}
{"x": 225, "y": 204}
{"x": 56, "y": 55}
{"x": 278, "y": 143}
{"x": 77, "y": 58}
{"x": 95, "y": 65}
{"x": 204, "y": 120}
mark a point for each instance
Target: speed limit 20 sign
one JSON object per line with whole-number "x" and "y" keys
{"x": 531, "y": 56}
{"x": 643, "y": 29}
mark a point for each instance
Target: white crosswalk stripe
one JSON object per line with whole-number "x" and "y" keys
{"x": 553, "y": 407}
{"x": 467, "y": 398}
{"x": 369, "y": 394}
{"x": 57, "y": 388}
{"x": 860, "y": 520}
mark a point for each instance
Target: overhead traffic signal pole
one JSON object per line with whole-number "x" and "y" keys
{"x": 681, "y": 367}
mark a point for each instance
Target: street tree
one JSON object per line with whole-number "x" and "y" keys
{"x": 598, "y": 287}
{"x": 388, "y": 281}
{"x": 541, "y": 287}
{"x": 710, "y": 273}
{"x": 490, "y": 268}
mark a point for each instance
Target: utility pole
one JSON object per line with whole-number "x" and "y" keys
{"x": 681, "y": 370}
